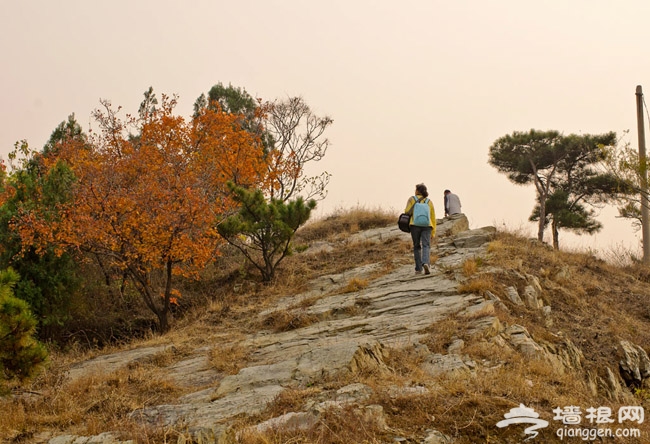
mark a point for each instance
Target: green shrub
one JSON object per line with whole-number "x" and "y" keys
{"x": 21, "y": 355}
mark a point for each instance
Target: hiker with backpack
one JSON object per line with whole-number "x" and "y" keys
{"x": 423, "y": 227}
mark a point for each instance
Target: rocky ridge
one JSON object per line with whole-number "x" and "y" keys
{"x": 352, "y": 332}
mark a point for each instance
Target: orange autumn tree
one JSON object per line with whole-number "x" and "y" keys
{"x": 293, "y": 135}
{"x": 149, "y": 203}
{"x": 269, "y": 215}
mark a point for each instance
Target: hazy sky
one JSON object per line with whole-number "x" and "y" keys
{"x": 418, "y": 90}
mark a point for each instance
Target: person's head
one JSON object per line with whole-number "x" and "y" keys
{"x": 421, "y": 189}
{"x": 447, "y": 192}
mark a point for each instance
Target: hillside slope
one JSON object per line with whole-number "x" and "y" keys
{"x": 503, "y": 329}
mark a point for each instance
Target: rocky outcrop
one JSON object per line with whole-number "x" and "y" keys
{"x": 635, "y": 365}
{"x": 395, "y": 310}
{"x": 633, "y": 373}
{"x": 103, "y": 438}
{"x": 353, "y": 333}
{"x": 109, "y": 363}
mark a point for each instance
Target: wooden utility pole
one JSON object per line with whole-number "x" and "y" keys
{"x": 643, "y": 170}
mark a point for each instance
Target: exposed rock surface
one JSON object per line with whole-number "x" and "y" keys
{"x": 635, "y": 365}
{"x": 393, "y": 310}
{"x": 103, "y": 438}
{"x": 353, "y": 334}
{"x": 110, "y": 363}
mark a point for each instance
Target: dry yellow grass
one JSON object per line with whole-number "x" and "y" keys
{"x": 470, "y": 266}
{"x": 343, "y": 222}
{"x": 286, "y": 320}
{"x": 228, "y": 359}
{"x": 442, "y": 333}
{"x": 479, "y": 285}
{"x": 355, "y": 284}
{"x": 87, "y": 406}
{"x": 594, "y": 304}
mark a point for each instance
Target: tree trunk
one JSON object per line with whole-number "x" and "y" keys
{"x": 556, "y": 240}
{"x": 542, "y": 193}
{"x": 542, "y": 218}
{"x": 107, "y": 277}
{"x": 163, "y": 316}
{"x": 142, "y": 283}
{"x": 163, "y": 323}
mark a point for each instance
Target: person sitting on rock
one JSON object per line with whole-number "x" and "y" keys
{"x": 452, "y": 204}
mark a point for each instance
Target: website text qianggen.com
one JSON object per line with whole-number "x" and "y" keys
{"x": 593, "y": 433}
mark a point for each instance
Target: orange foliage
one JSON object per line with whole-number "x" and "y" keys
{"x": 239, "y": 159}
{"x": 151, "y": 201}
{"x": 6, "y": 190}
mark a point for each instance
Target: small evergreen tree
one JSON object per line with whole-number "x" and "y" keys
{"x": 49, "y": 279}
{"x": 231, "y": 99}
{"x": 531, "y": 157}
{"x": 562, "y": 212}
{"x": 580, "y": 185}
{"x": 263, "y": 230}
{"x": 21, "y": 356}
{"x": 567, "y": 173}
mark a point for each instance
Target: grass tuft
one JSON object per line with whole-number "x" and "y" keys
{"x": 287, "y": 320}
{"x": 479, "y": 285}
{"x": 355, "y": 284}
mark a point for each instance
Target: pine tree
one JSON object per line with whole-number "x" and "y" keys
{"x": 21, "y": 356}
{"x": 263, "y": 230}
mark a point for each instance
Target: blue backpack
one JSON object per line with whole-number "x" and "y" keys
{"x": 421, "y": 213}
